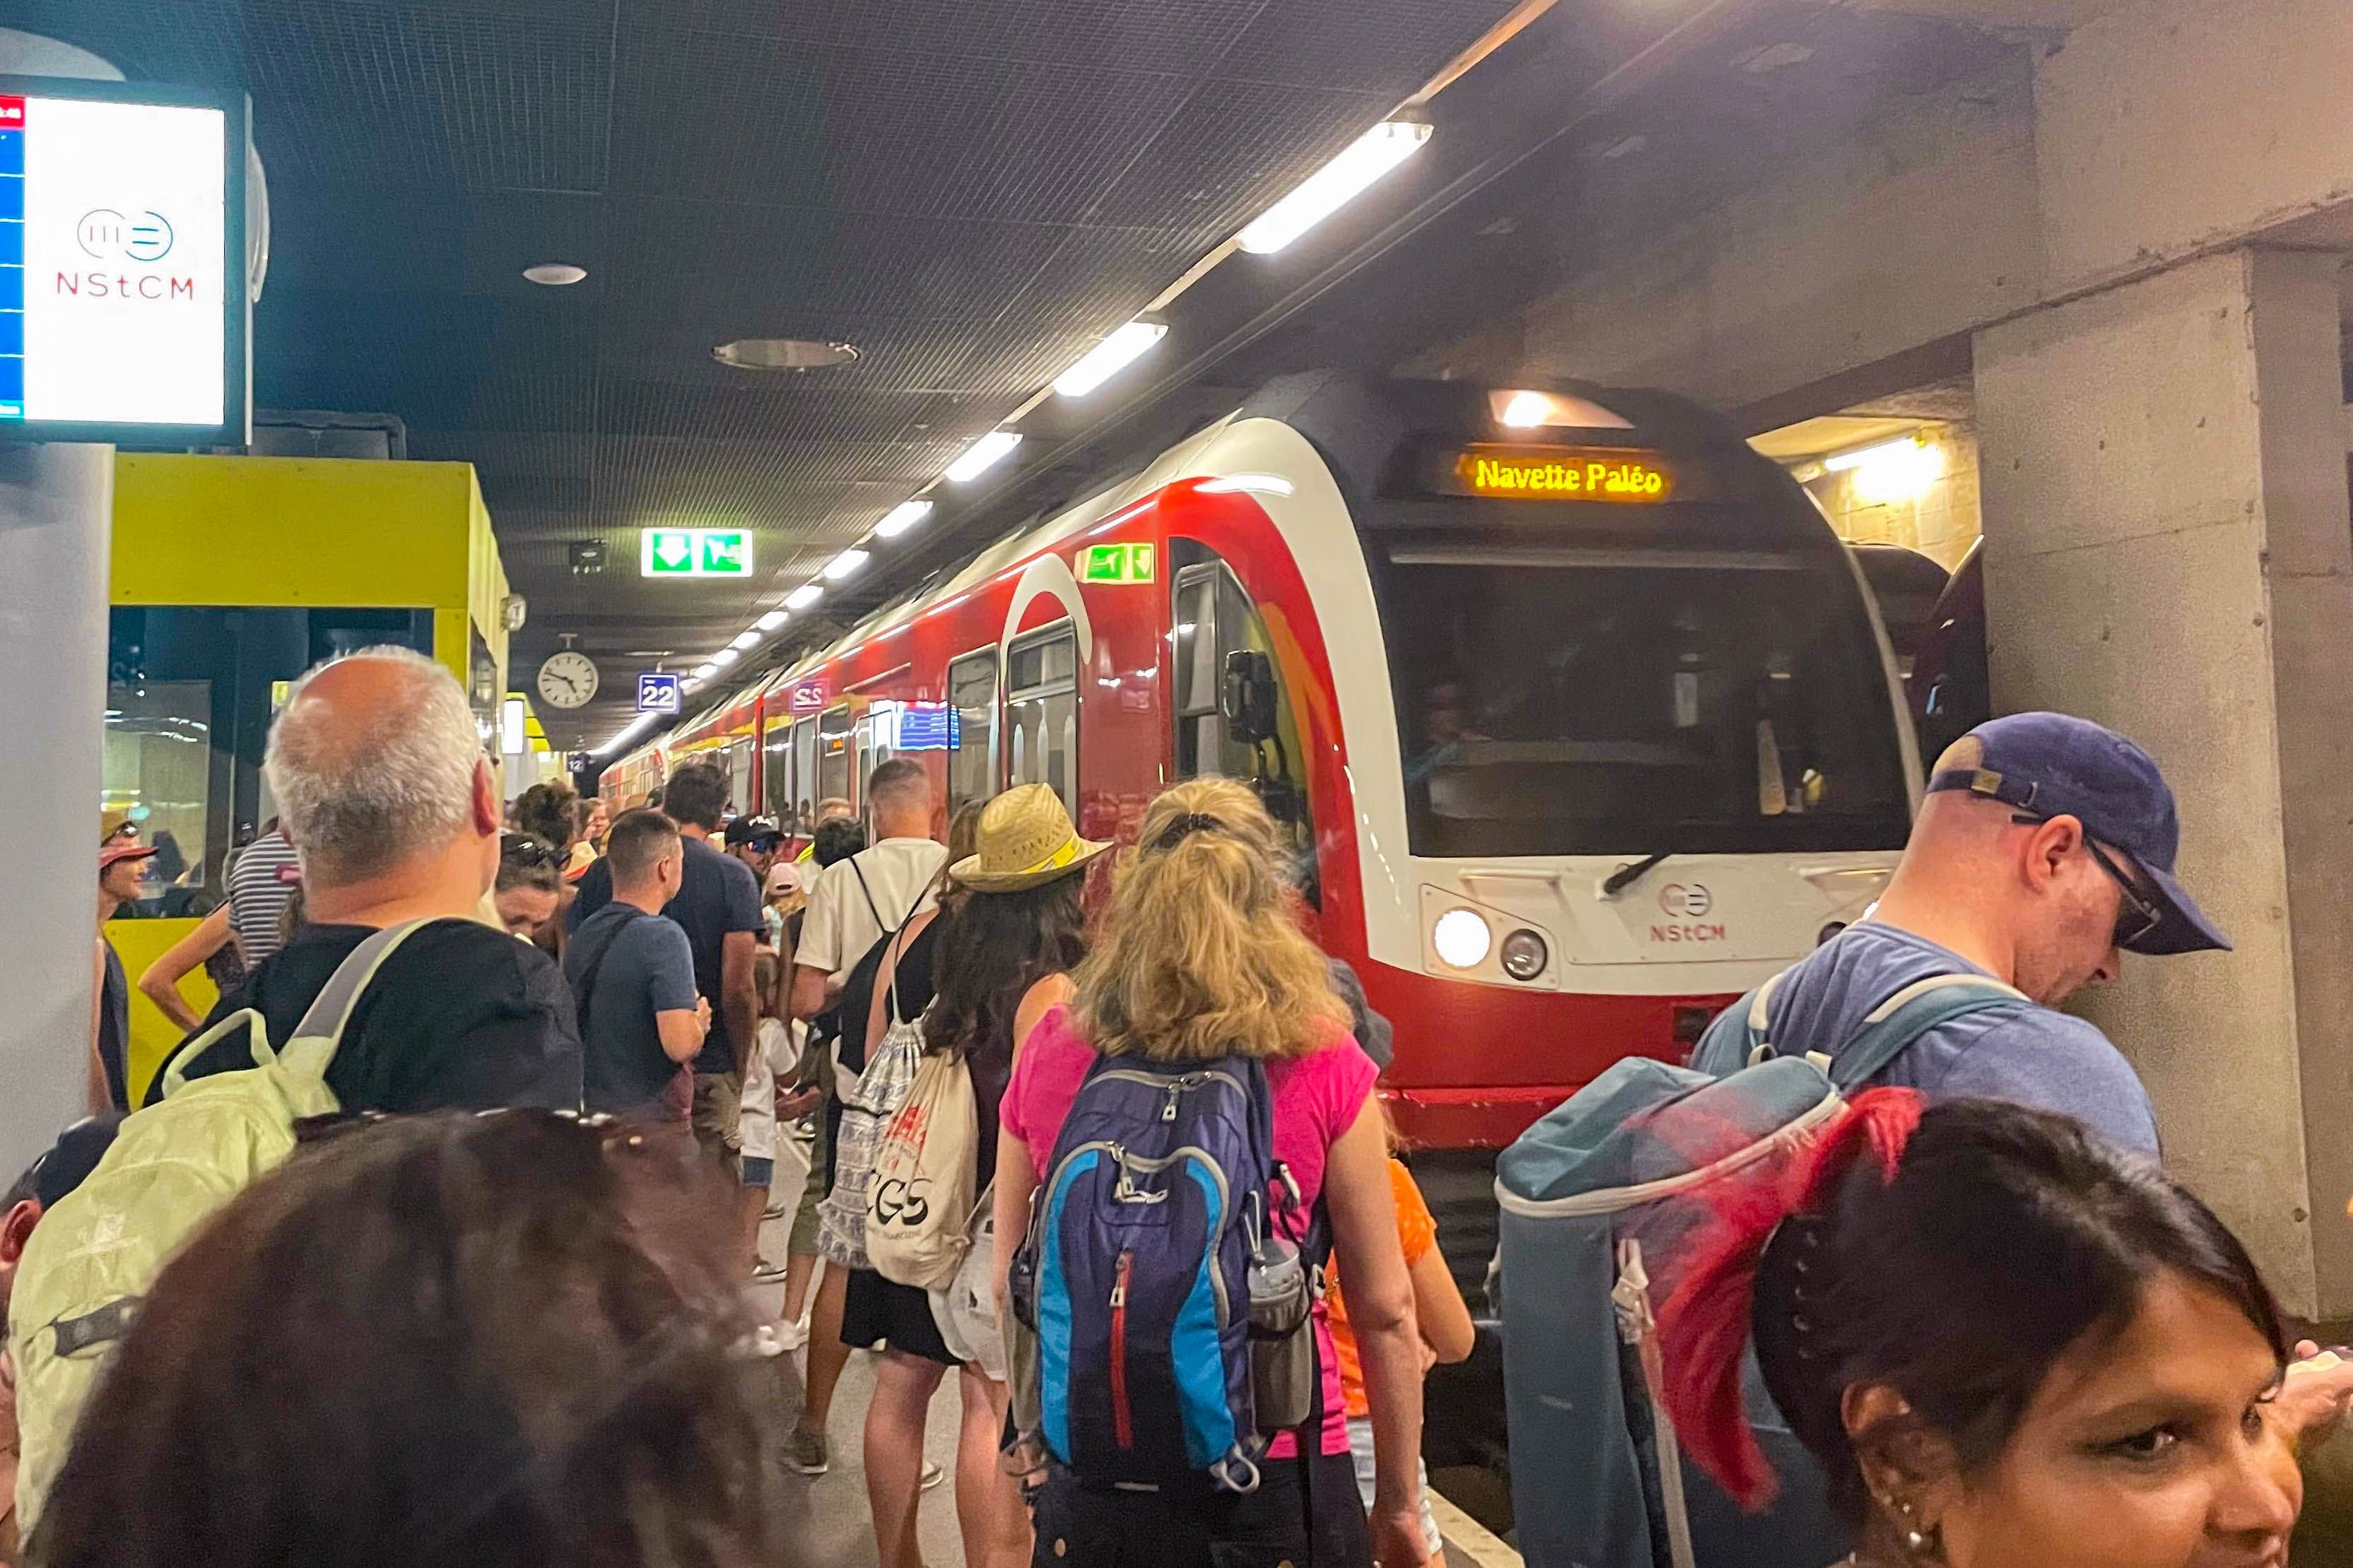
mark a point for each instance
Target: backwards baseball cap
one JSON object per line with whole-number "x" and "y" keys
{"x": 66, "y": 1163}
{"x": 752, "y": 830}
{"x": 2053, "y": 764}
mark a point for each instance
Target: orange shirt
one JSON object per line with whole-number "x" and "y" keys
{"x": 1418, "y": 1233}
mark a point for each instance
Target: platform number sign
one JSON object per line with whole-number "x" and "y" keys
{"x": 695, "y": 553}
{"x": 1116, "y": 563}
{"x": 658, "y": 693}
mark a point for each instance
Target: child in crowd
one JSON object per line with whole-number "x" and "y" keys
{"x": 1447, "y": 1335}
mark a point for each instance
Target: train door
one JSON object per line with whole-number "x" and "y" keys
{"x": 777, "y": 771}
{"x": 1230, "y": 697}
{"x": 972, "y": 730}
{"x": 806, "y": 794}
{"x": 1041, "y": 711}
{"x": 835, "y": 740}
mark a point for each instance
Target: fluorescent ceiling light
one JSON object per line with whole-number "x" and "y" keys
{"x": 773, "y": 621}
{"x": 983, "y": 455}
{"x": 511, "y": 726}
{"x": 624, "y": 736}
{"x": 802, "y": 598}
{"x": 846, "y": 565}
{"x": 1526, "y": 410}
{"x": 745, "y": 642}
{"x": 902, "y": 518}
{"x": 1109, "y": 357}
{"x": 726, "y": 657}
{"x": 1331, "y": 187}
{"x": 1839, "y": 462}
{"x": 1249, "y": 484}
{"x": 704, "y": 672}
{"x": 555, "y": 274}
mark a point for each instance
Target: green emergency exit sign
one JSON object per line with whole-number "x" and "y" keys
{"x": 695, "y": 553}
{"x": 1116, "y": 563}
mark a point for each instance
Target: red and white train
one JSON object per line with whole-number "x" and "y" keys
{"x": 1582, "y": 719}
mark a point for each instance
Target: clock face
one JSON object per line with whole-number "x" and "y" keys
{"x": 567, "y": 679}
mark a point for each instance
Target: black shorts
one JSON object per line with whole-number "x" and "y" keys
{"x": 1304, "y": 1512}
{"x": 882, "y": 1312}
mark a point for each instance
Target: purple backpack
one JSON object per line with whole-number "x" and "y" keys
{"x": 1166, "y": 1310}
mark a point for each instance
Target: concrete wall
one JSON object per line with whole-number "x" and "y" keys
{"x": 2167, "y": 548}
{"x": 2176, "y": 124}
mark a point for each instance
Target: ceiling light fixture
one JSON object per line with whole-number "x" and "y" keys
{"x": 802, "y": 598}
{"x": 555, "y": 273}
{"x": 1878, "y": 451}
{"x": 983, "y": 455}
{"x": 726, "y": 657}
{"x": 846, "y": 565}
{"x": 1331, "y": 187}
{"x": 1526, "y": 410}
{"x": 783, "y": 353}
{"x": 746, "y": 642}
{"x": 902, "y": 518}
{"x": 1109, "y": 357}
{"x": 773, "y": 621}
{"x": 706, "y": 672}
{"x": 626, "y": 733}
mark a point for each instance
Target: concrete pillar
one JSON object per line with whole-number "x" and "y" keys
{"x": 2168, "y": 551}
{"x": 56, "y": 508}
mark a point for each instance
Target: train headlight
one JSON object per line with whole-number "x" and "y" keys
{"x": 1524, "y": 955}
{"x": 1461, "y": 939}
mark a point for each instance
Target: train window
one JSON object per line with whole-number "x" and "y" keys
{"x": 776, "y": 769}
{"x": 833, "y": 744}
{"x": 972, "y": 761}
{"x": 877, "y": 740}
{"x": 1637, "y": 700}
{"x": 158, "y": 772}
{"x": 1214, "y": 618}
{"x": 805, "y": 790}
{"x": 1041, "y": 712}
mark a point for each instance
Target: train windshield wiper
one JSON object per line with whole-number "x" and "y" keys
{"x": 1626, "y": 877}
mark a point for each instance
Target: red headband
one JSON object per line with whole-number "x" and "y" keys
{"x": 1705, "y": 1326}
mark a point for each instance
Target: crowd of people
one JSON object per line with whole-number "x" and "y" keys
{"x": 435, "y": 1238}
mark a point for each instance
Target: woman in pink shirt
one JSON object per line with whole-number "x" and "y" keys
{"x": 1201, "y": 956}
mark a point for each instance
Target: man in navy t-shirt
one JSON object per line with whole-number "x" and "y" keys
{"x": 718, "y": 902}
{"x": 2045, "y": 848}
{"x": 632, "y": 977}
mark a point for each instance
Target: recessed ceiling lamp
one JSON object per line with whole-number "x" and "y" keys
{"x": 773, "y": 621}
{"x": 846, "y": 565}
{"x": 745, "y": 642}
{"x": 1331, "y": 187}
{"x": 902, "y": 518}
{"x": 706, "y": 672}
{"x": 783, "y": 353}
{"x": 983, "y": 455}
{"x": 726, "y": 657}
{"x": 555, "y": 273}
{"x": 1109, "y": 357}
{"x": 802, "y": 598}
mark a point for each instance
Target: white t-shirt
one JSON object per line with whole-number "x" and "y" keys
{"x": 842, "y": 923}
{"x": 758, "y": 1107}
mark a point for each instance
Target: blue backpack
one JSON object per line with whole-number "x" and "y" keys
{"x": 1598, "y": 1203}
{"x": 1161, "y": 1311}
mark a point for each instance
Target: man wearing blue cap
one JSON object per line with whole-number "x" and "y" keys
{"x": 2044, "y": 847}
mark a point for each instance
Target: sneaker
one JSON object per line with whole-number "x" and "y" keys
{"x": 768, "y": 1341}
{"x": 933, "y": 1476}
{"x": 805, "y": 1452}
{"x": 766, "y": 1273}
{"x": 793, "y": 1335}
{"x": 774, "y": 1211}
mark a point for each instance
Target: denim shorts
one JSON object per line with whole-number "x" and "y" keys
{"x": 758, "y": 1173}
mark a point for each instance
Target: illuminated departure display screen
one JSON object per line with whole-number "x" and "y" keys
{"x": 1609, "y": 474}
{"x": 122, "y": 287}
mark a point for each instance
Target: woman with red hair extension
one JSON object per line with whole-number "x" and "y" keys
{"x": 2008, "y": 1345}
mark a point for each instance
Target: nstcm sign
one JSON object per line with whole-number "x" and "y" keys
{"x": 695, "y": 553}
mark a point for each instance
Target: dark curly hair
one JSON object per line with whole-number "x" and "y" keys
{"x": 502, "y": 1341}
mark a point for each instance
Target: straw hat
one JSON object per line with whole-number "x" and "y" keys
{"x": 1026, "y": 839}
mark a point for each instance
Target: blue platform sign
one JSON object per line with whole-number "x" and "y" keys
{"x": 658, "y": 693}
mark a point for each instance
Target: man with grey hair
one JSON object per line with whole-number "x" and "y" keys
{"x": 381, "y": 780}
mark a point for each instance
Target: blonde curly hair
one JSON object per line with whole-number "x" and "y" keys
{"x": 1200, "y": 953}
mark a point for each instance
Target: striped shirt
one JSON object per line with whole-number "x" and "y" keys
{"x": 260, "y": 885}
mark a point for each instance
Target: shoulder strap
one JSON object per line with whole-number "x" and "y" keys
{"x": 1889, "y": 1029}
{"x": 331, "y": 1011}
{"x": 862, "y": 887}
{"x": 257, "y": 1028}
{"x": 591, "y": 968}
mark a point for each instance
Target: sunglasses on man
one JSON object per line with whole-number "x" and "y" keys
{"x": 2140, "y": 915}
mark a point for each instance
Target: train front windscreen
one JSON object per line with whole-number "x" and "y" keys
{"x": 1685, "y": 670}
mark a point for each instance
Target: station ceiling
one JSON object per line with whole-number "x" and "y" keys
{"x": 971, "y": 192}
